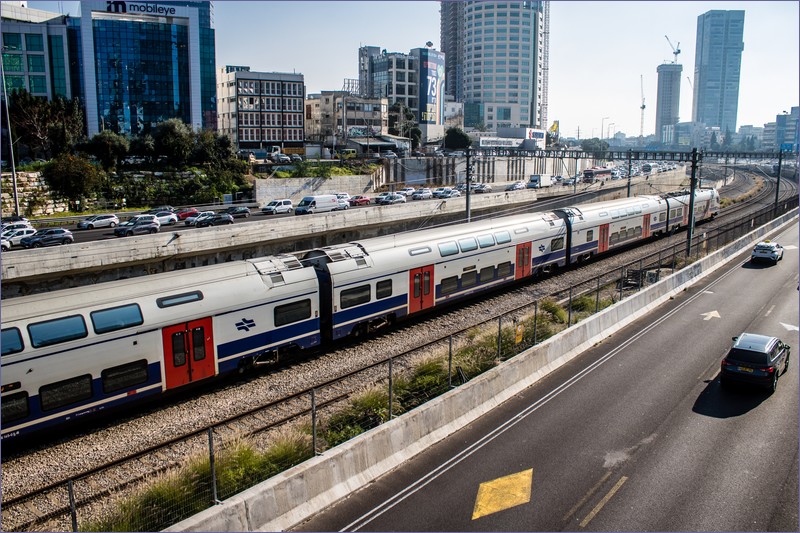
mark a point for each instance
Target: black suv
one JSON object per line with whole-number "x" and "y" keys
{"x": 238, "y": 212}
{"x": 217, "y": 219}
{"x": 756, "y": 359}
{"x": 48, "y": 237}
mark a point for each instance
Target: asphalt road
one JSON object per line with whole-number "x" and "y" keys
{"x": 634, "y": 435}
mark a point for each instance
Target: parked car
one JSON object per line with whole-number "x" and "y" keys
{"x": 406, "y": 191}
{"x": 217, "y": 219}
{"x": 422, "y": 194}
{"x": 452, "y": 193}
{"x": 190, "y": 221}
{"x": 276, "y": 207}
{"x": 47, "y": 237}
{"x": 343, "y": 204}
{"x": 457, "y": 153}
{"x": 238, "y": 211}
{"x": 343, "y": 196}
{"x": 516, "y": 186}
{"x": 568, "y": 182}
{"x": 280, "y": 158}
{"x": 755, "y": 359}
{"x": 483, "y": 187}
{"x": 439, "y": 191}
{"x": 296, "y": 158}
{"x": 389, "y": 154}
{"x": 381, "y": 196}
{"x": 390, "y": 199}
{"x": 99, "y": 221}
{"x": 15, "y": 236}
{"x": 167, "y": 218}
{"x": 14, "y": 225}
{"x": 359, "y": 200}
{"x": 767, "y": 251}
{"x": 5, "y": 245}
{"x": 158, "y": 209}
{"x": 186, "y": 212}
{"x": 143, "y": 224}
{"x": 438, "y": 153}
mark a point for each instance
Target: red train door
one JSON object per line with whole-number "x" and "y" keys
{"x": 420, "y": 289}
{"x": 523, "y": 267}
{"x": 188, "y": 352}
{"x": 645, "y": 226}
{"x": 602, "y": 242}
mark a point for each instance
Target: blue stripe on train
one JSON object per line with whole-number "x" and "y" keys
{"x": 305, "y": 333}
{"x": 344, "y": 321}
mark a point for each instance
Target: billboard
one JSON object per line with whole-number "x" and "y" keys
{"x": 431, "y": 86}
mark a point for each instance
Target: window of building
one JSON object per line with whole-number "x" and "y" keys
{"x": 13, "y": 62}
{"x": 12, "y": 41}
{"x": 34, "y": 42}
{"x": 38, "y": 84}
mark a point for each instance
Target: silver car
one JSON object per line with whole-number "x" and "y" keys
{"x": 99, "y": 221}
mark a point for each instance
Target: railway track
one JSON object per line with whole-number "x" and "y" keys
{"x": 115, "y": 458}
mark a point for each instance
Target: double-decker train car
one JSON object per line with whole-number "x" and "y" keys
{"x": 75, "y": 352}
{"x": 71, "y": 353}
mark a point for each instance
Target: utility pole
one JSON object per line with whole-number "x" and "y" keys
{"x": 469, "y": 183}
{"x": 630, "y": 154}
{"x": 778, "y": 181}
{"x": 692, "y": 187}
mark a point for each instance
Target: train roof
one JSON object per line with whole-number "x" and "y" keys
{"x": 269, "y": 270}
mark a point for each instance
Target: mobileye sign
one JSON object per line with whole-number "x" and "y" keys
{"x": 147, "y": 9}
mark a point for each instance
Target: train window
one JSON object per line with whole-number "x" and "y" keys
{"x": 448, "y": 248}
{"x": 468, "y": 244}
{"x": 14, "y": 407}
{"x": 556, "y": 244}
{"x": 116, "y": 318}
{"x": 603, "y": 214}
{"x": 504, "y": 269}
{"x": 520, "y": 230}
{"x": 638, "y": 210}
{"x": 58, "y": 330}
{"x": 484, "y": 241}
{"x": 179, "y": 299}
{"x": 124, "y": 376}
{"x": 11, "y": 341}
{"x": 614, "y": 238}
{"x": 589, "y": 235}
{"x": 469, "y": 279}
{"x": 486, "y": 274}
{"x": 178, "y": 349}
{"x": 449, "y": 285}
{"x": 360, "y": 261}
{"x": 638, "y": 231}
{"x": 65, "y": 392}
{"x": 198, "y": 343}
{"x": 383, "y": 289}
{"x": 502, "y": 237}
{"x": 662, "y": 217}
{"x": 293, "y": 312}
{"x": 419, "y": 251}
{"x": 630, "y": 233}
{"x": 355, "y": 296}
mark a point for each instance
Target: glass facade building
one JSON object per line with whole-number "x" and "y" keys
{"x": 717, "y": 68}
{"x": 144, "y": 63}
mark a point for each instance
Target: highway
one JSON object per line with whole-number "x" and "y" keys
{"x": 633, "y": 435}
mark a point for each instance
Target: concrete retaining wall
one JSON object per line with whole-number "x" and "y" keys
{"x": 294, "y": 495}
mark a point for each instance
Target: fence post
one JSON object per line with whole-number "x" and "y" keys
{"x": 640, "y": 276}
{"x": 621, "y": 281}
{"x": 314, "y": 421}
{"x": 597, "y": 297}
{"x": 569, "y": 310}
{"x": 535, "y": 319}
{"x": 391, "y": 387}
{"x": 450, "y": 364}
{"x": 214, "y": 499}
{"x": 499, "y": 334}
{"x": 72, "y": 511}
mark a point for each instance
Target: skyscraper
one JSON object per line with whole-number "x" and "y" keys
{"x": 668, "y": 101}
{"x": 717, "y": 68}
{"x": 498, "y": 54}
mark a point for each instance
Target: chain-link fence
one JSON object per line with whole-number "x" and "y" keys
{"x": 193, "y": 473}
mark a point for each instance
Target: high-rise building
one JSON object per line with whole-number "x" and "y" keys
{"x": 668, "y": 98}
{"x": 500, "y": 56}
{"x": 717, "y": 68}
{"x": 146, "y": 62}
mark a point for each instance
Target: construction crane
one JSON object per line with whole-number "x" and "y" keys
{"x": 675, "y": 49}
{"x": 641, "y": 124}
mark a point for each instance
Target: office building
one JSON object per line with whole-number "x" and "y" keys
{"x": 501, "y": 56}
{"x": 668, "y": 101}
{"x": 717, "y": 68}
{"x": 258, "y": 110}
{"x": 146, "y": 62}
{"x": 35, "y": 51}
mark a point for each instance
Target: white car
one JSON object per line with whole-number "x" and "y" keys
{"x": 191, "y": 221}
{"x": 99, "y": 221}
{"x": 276, "y": 207}
{"x": 422, "y": 194}
{"x": 15, "y": 225}
{"x": 407, "y": 191}
{"x": 343, "y": 196}
{"x": 4, "y": 244}
{"x": 167, "y": 218}
{"x": 14, "y": 236}
{"x": 767, "y": 251}
{"x": 452, "y": 193}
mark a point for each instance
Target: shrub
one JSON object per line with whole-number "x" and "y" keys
{"x": 556, "y": 312}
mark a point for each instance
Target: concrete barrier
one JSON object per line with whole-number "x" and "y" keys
{"x": 292, "y": 496}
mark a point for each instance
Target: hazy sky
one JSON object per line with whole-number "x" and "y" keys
{"x": 598, "y": 51}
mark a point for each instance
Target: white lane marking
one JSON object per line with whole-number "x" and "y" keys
{"x": 789, "y": 327}
{"x": 769, "y": 310}
{"x": 710, "y": 315}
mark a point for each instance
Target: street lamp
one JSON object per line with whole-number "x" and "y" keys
{"x": 602, "y": 123}
{"x": 608, "y": 132}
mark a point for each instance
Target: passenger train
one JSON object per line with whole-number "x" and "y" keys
{"x": 72, "y": 353}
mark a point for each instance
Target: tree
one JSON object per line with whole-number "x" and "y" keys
{"x": 174, "y": 140}
{"x": 72, "y": 177}
{"x": 143, "y": 146}
{"x": 456, "y": 139}
{"x": 109, "y": 148}
{"x": 596, "y": 146}
{"x": 727, "y": 141}
{"x": 31, "y": 118}
{"x": 713, "y": 144}
{"x": 67, "y": 126}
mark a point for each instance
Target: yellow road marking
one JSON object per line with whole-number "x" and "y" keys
{"x": 587, "y": 496}
{"x": 603, "y": 502}
{"x": 503, "y": 493}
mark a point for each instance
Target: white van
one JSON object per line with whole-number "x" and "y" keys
{"x": 317, "y": 204}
